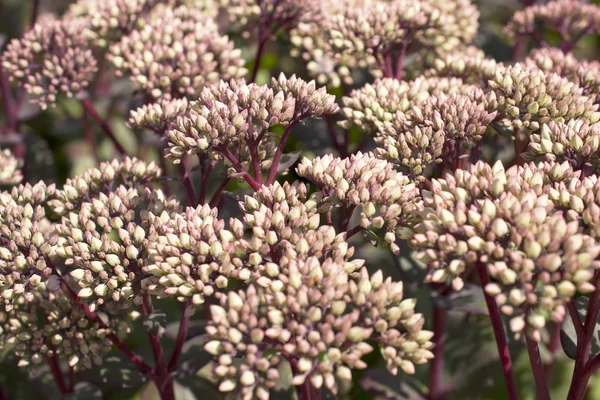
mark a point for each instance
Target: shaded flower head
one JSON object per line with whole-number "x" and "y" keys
{"x": 528, "y": 97}
{"x": 10, "y": 170}
{"x": 576, "y": 142}
{"x": 50, "y": 60}
{"x": 175, "y": 52}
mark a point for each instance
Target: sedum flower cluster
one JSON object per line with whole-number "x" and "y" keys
{"x": 317, "y": 315}
{"x": 230, "y": 118}
{"x": 506, "y": 222}
{"x": 52, "y": 58}
{"x": 10, "y": 170}
{"x": 182, "y": 52}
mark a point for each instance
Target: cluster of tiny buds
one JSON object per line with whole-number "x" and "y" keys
{"x": 175, "y": 52}
{"x": 10, "y": 168}
{"x": 528, "y": 97}
{"x": 386, "y": 197}
{"x": 571, "y": 19}
{"x": 229, "y": 117}
{"x": 317, "y": 317}
{"x": 502, "y": 220}
{"x": 52, "y": 58}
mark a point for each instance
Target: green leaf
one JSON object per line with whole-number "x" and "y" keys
{"x": 370, "y": 236}
{"x": 381, "y": 382}
{"x": 193, "y": 356}
{"x": 85, "y": 391}
{"x": 116, "y": 371}
{"x": 156, "y": 323}
{"x": 470, "y": 300}
{"x": 287, "y": 160}
{"x": 568, "y": 336}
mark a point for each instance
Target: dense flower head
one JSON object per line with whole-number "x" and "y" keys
{"x": 379, "y": 27}
{"x": 106, "y": 241}
{"x": 417, "y": 139}
{"x": 270, "y": 14}
{"x": 130, "y": 172}
{"x": 375, "y": 103}
{"x": 50, "y": 326}
{"x": 576, "y": 142}
{"x": 318, "y": 317}
{"x": 466, "y": 62}
{"x": 528, "y": 97}
{"x": 588, "y": 75}
{"x": 230, "y": 115}
{"x": 175, "y": 52}
{"x": 159, "y": 117}
{"x": 27, "y": 243}
{"x": 108, "y": 20}
{"x": 193, "y": 255}
{"x": 485, "y": 218}
{"x": 286, "y": 221}
{"x": 10, "y": 168}
{"x": 323, "y": 63}
{"x": 550, "y": 59}
{"x": 572, "y": 19}
{"x": 52, "y": 58}
{"x": 386, "y": 197}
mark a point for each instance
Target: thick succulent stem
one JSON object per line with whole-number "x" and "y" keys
{"x": 91, "y": 111}
{"x": 499, "y": 334}
{"x": 181, "y": 336}
{"x": 58, "y": 375}
{"x": 190, "y": 195}
{"x": 263, "y": 38}
{"x": 436, "y": 367}
{"x": 583, "y": 370}
{"x": 279, "y": 152}
{"x": 239, "y": 168}
{"x": 538, "y": 369}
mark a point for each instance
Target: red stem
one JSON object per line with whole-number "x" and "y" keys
{"x": 263, "y": 38}
{"x": 163, "y": 167}
{"x": 400, "y": 60}
{"x": 333, "y": 134}
{"x": 58, "y": 375}
{"x": 553, "y": 346}
{"x": 181, "y": 336}
{"x": 239, "y": 168}
{"x": 157, "y": 350}
{"x": 190, "y": 195}
{"x": 583, "y": 369}
{"x": 436, "y": 367}
{"x": 353, "y": 231}
{"x": 279, "y": 152}
{"x": 89, "y": 108}
{"x": 216, "y": 198}
{"x": 89, "y": 135}
{"x": 499, "y": 334}
{"x": 538, "y": 369}
{"x": 34, "y": 13}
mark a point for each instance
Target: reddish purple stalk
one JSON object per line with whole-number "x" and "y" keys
{"x": 91, "y": 111}
{"x": 436, "y": 368}
{"x": 584, "y": 368}
{"x": 537, "y": 369}
{"x": 499, "y": 334}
